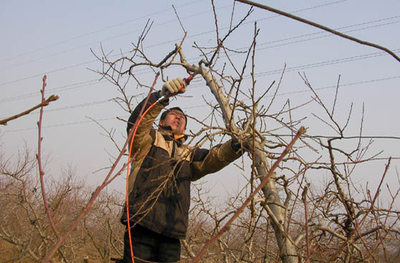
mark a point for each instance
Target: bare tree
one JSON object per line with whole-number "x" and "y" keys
{"x": 308, "y": 224}
{"x": 292, "y": 220}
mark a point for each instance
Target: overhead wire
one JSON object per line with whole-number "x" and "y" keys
{"x": 271, "y": 72}
{"x": 62, "y": 88}
{"x": 94, "y": 32}
{"x": 269, "y": 42}
{"x": 62, "y": 52}
{"x": 289, "y": 69}
{"x": 278, "y": 71}
{"x": 150, "y": 46}
{"x": 326, "y": 34}
{"x": 262, "y": 19}
{"x": 164, "y": 23}
{"x": 355, "y": 83}
{"x": 260, "y": 44}
{"x": 201, "y": 105}
{"x": 81, "y": 105}
{"x": 73, "y": 123}
{"x": 258, "y": 74}
{"x": 93, "y": 121}
{"x": 48, "y": 72}
{"x": 324, "y": 63}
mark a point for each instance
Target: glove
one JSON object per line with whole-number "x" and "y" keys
{"x": 173, "y": 87}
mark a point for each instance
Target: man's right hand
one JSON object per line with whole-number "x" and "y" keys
{"x": 173, "y": 87}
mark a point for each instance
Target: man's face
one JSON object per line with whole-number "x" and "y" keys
{"x": 176, "y": 120}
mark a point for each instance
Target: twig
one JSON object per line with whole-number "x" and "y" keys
{"x": 220, "y": 42}
{"x": 305, "y": 21}
{"x": 304, "y": 199}
{"x": 39, "y": 158}
{"x": 336, "y": 95}
{"x": 180, "y": 22}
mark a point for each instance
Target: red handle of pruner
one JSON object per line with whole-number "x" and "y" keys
{"x": 188, "y": 80}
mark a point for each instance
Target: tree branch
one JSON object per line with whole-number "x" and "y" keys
{"x": 308, "y": 22}
{"x": 39, "y": 159}
{"x": 42, "y": 104}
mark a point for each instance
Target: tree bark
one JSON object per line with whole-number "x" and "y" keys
{"x": 275, "y": 209}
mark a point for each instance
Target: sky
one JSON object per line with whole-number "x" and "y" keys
{"x": 58, "y": 38}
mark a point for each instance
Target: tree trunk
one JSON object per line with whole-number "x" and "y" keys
{"x": 273, "y": 205}
{"x": 276, "y": 210}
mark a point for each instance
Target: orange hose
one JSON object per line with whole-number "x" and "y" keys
{"x": 127, "y": 179}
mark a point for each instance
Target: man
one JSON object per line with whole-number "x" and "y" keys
{"x": 159, "y": 183}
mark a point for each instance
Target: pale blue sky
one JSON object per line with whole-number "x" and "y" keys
{"x": 55, "y": 38}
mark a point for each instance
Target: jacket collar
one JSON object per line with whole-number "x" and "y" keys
{"x": 169, "y": 136}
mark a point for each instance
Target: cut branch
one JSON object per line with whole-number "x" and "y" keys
{"x": 42, "y": 104}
